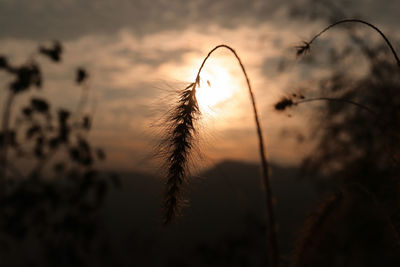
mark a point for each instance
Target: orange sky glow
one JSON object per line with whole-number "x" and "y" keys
{"x": 135, "y": 77}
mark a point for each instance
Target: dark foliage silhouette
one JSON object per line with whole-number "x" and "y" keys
{"x": 54, "y": 52}
{"x": 51, "y": 189}
{"x": 349, "y": 229}
{"x": 358, "y": 135}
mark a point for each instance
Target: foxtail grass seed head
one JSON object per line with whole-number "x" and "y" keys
{"x": 306, "y": 46}
{"x": 303, "y": 49}
{"x": 180, "y": 143}
{"x": 283, "y": 104}
{"x": 297, "y": 99}
{"x": 177, "y": 147}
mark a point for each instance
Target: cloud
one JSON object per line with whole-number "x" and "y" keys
{"x": 138, "y": 53}
{"x": 66, "y": 19}
{"x": 134, "y": 79}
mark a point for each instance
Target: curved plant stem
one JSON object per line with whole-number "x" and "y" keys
{"x": 362, "y": 22}
{"x": 83, "y": 100}
{"x": 336, "y": 100}
{"x": 361, "y": 106}
{"x": 266, "y": 179}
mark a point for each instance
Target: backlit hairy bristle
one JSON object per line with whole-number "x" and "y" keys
{"x": 179, "y": 143}
{"x": 177, "y": 147}
{"x": 302, "y": 49}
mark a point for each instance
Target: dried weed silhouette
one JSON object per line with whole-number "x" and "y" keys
{"x": 53, "y": 199}
{"x": 177, "y": 147}
{"x": 314, "y": 228}
{"x": 287, "y": 102}
{"x": 306, "y": 46}
{"x": 336, "y": 212}
{"x": 179, "y": 143}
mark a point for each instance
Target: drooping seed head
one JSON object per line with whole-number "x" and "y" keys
{"x": 283, "y": 104}
{"x": 177, "y": 147}
{"x": 302, "y": 49}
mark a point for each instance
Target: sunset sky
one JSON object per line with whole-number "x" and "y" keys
{"x": 138, "y": 53}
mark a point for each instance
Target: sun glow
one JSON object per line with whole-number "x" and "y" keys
{"x": 216, "y": 86}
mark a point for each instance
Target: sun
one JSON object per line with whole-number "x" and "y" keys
{"x": 216, "y": 86}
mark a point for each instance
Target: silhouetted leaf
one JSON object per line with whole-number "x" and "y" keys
{"x": 74, "y": 154}
{"x": 3, "y": 62}
{"x": 9, "y": 137}
{"x": 86, "y": 123}
{"x": 39, "y": 147}
{"x": 54, "y": 142}
{"x": 85, "y": 152}
{"x": 283, "y": 104}
{"x": 54, "y": 52}
{"x": 31, "y": 131}
{"x": 100, "y": 154}
{"x": 40, "y": 105}
{"x": 27, "y": 111}
{"x": 84, "y": 145}
{"x": 25, "y": 77}
{"x": 63, "y": 115}
{"x": 81, "y": 75}
{"x": 303, "y": 48}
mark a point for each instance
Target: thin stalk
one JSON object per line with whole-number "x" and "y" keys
{"x": 315, "y": 226}
{"x": 83, "y": 100}
{"x": 5, "y": 131}
{"x": 361, "y": 106}
{"x": 42, "y": 163}
{"x": 264, "y": 162}
{"x": 307, "y": 44}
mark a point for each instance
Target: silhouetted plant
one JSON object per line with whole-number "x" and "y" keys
{"x": 177, "y": 147}
{"x": 385, "y": 121}
{"x": 54, "y": 52}
{"x": 345, "y": 222}
{"x": 287, "y": 102}
{"x": 52, "y": 187}
{"x": 25, "y": 76}
{"x": 355, "y": 147}
{"x": 306, "y": 46}
{"x": 179, "y": 142}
